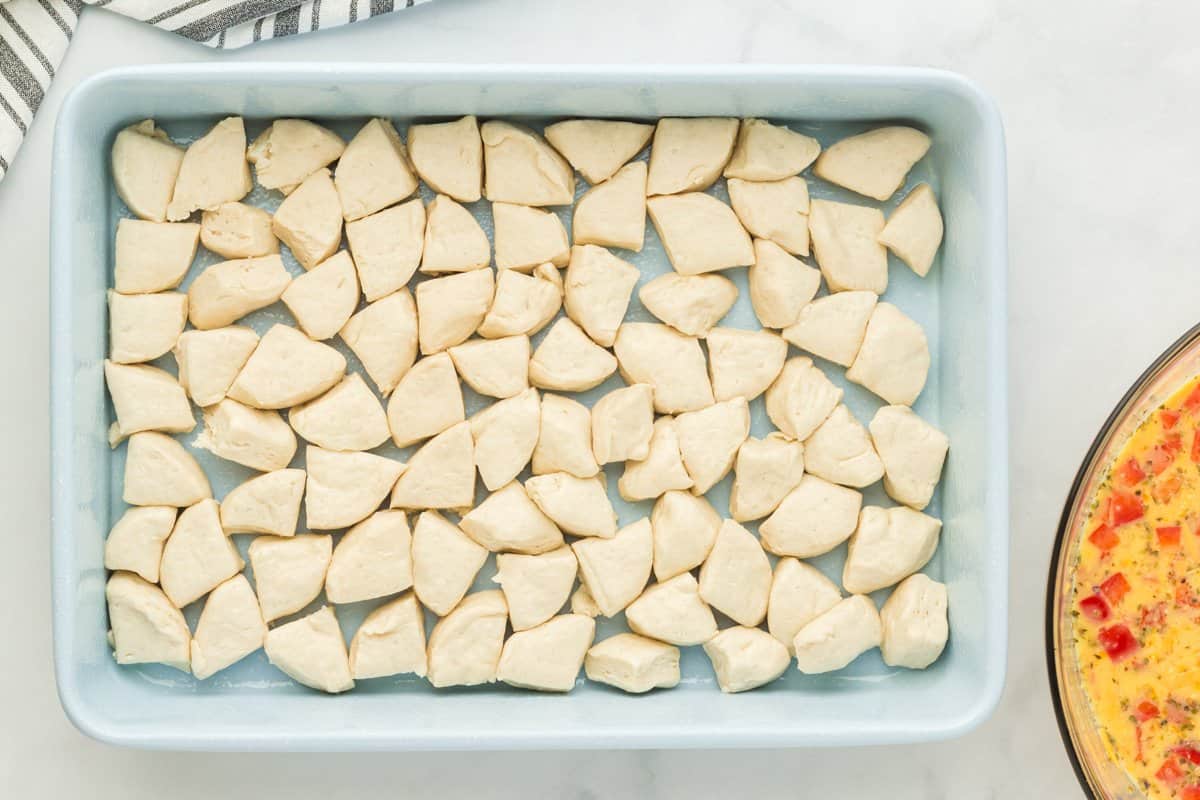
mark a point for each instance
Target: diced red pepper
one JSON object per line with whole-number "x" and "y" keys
{"x": 1189, "y": 793}
{"x": 1167, "y": 488}
{"x": 1169, "y": 772}
{"x": 1094, "y": 607}
{"x": 1168, "y": 535}
{"x": 1115, "y": 587}
{"x": 1104, "y": 537}
{"x": 1125, "y": 508}
{"x": 1153, "y": 617}
{"x": 1196, "y": 447}
{"x": 1193, "y": 400}
{"x": 1169, "y": 417}
{"x": 1172, "y": 443}
{"x": 1187, "y": 753}
{"x": 1118, "y": 642}
{"x": 1130, "y": 473}
{"x": 1145, "y": 710}
{"x": 1158, "y": 459}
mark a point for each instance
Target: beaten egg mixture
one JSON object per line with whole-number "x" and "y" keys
{"x": 1136, "y": 603}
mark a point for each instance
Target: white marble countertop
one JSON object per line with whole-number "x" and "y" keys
{"x": 1098, "y": 103}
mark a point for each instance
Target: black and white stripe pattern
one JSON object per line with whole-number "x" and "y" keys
{"x": 34, "y": 35}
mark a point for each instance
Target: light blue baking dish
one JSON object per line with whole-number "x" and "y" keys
{"x": 252, "y": 706}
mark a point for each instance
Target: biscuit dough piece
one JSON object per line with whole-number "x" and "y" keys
{"x": 198, "y": 556}
{"x": 781, "y": 285}
{"x": 267, "y": 503}
{"x": 801, "y": 398}
{"x": 522, "y": 306}
{"x": 213, "y": 171}
{"x": 691, "y": 304}
{"x": 774, "y": 210}
{"x": 521, "y": 167}
{"x": 535, "y": 587}
{"x": 135, "y": 542}
{"x": 874, "y": 163}
{"x": 236, "y": 230}
{"x": 159, "y": 472}
{"x": 231, "y": 627}
{"x": 840, "y": 451}
{"x": 673, "y": 612}
{"x": 914, "y": 623}
{"x": 345, "y": 488}
{"x": 889, "y": 545}
{"x": 833, "y": 327}
{"x": 505, "y": 434}
{"x": 622, "y": 422}
{"x": 893, "y": 361}
{"x": 347, "y": 417}
{"x": 464, "y": 648}
{"x": 613, "y": 213}
{"x": 251, "y": 437}
{"x": 427, "y": 401}
{"x": 144, "y": 326}
{"x": 454, "y": 241}
{"x": 598, "y": 147}
{"x": 449, "y": 157}
{"x": 146, "y": 628}
{"x": 547, "y": 658}
{"x": 289, "y": 571}
{"x": 209, "y": 361}
{"x": 286, "y": 369}
{"x": 812, "y": 519}
{"x": 445, "y": 562}
{"x": 564, "y": 438}
{"x": 845, "y": 244}
{"x": 309, "y": 220}
{"x": 633, "y": 663}
{"x": 387, "y": 247}
{"x": 373, "y": 559}
{"x": 914, "y": 230}
{"x": 837, "y": 637}
{"x": 449, "y": 309}
{"x": 743, "y": 363}
{"x": 390, "y": 641}
{"x": 913, "y": 453}
{"x": 374, "y": 172}
{"x": 745, "y": 658}
{"x": 509, "y": 522}
{"x": 323, "y": 298}
{"x": 616, "y": 570}
{"x": 688, "y": 154}
{"x": 568, "y": 361}
{"x": 224, "y": 293}
{"x": 441, "y": 474}
{"x": 765, "y": 472}
{"x": 527, "y": 237}
{"x": 152, "y": 256}
{"x": 673, "y": 364}
{"x": 145, "y": 164}
{"x": 799, "y": 594}
{"x": 580, "y": 506}
{"x": 384, "y": 338}
{"x": 709, "y": 440}
{"x": 597, "y": 289}
{"x": 145, "y": 398}
{"x": 312, "y": 652}
{"x": 766, "y": 152}
{"x": 685, "y": 528}
{"x": 736, "y": 577}
{"x": 290, "y": 150}
{"x": 494, "y": 367}
{"x": 661, "y": 471}
{"x": 700, "y": 233}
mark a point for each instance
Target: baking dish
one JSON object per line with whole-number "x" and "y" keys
{"x": 253, "y": 706}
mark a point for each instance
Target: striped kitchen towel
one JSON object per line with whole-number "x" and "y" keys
{"x": 34, "y": 35}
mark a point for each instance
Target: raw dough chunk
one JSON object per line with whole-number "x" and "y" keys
{"x": 144, "y": 326}
{"x": 837, "y": 637}
{"x": 893, "y": 361}
{"x": 547, "y": 658}
{"x": 691, "y": 304}
{"x": 673, "y": 364}
{"x": 152, "y": 256}
{"x": 445, "y": 562}
{"x": 494, "y": 367}
{"x": 622, "y": 422}
{"x": 914, "y": 623}
{"x": 689, "y": 154}
{"x": 146, "y": 628}
{"x": 198, "y": 555}
{"x": 347, "y": 417}
{"x": 231, "y": 627}
{"x": 209, "y": 361}
{"x": 323, "y": 299}
{"x": 912, "y": 452}
{"x": 427, "y": 401}
{"x": 135, "y": 543}
{"x": 874, "y": 163}
{"x": 251, "y": 437}
{"x": 745, "y": 658}
{"x": 582, "y": 602}
{"x": 146, "y": 399}
{"x": 159, "y": 472}
{"x": 568, "y": 361}
{"x": 290, "y": 150}
{"x": 814, "y": 518}
{"x": 312, "y": 652}
{"x": 564, "y": 439}
{"x": 449, "y": 309}
{"x": 286, "y": 369}
{"x": 613, "y": 213}
{"x": 673, "y": 612}
{"x": 914, "y": 230}
{"x": 535, "y": 587}
{"x": 449, "y": 157}
{"x": 597, "y": 290}
{"x": 387, "y": 247}
{"x": 700, "y": 233}
{"x": 441, "y": 474}
{"x": 765, "y": 472}
{"x": 780, "y": 284}
{"x": 520, "y": 167}
{"x": 345, "y": 488}
{"x": 213, "y": 171}
{"x": 236, "y": 230}
{"x": 372, "y": 560}
{"x": 526, "y": 237}
{"x": 662, "y": 469}
{"x": 224, "y": 293}
{"x": 580, "y": 506}
{"x": 374, "y": 172}
{"x": 844, "y": 241}
{"x": 799, "y": 594}
{"x": 833, "y": 327}
{"x": 464, "y": 648}
{"x": 289, "y": 571}
{"x": 384, "y": 337}
{"x": 505, "y": 434}
{"x": 709, "y": 440}
{"x": 598, "y": 147}
{"x": 767, "y": 152}
{"x": 265, "y": 504}
{"x": 775, "y": 210}
{"x": 736, "y": 577}
{"x": 509, "y": 522}
{"x": 522, "y": 306}
{"x": 309, "y": 220}
{"x": 390, "y": 641}
{"x": 801, "y": 398}
{"x": 743, "y": 363}
{"x": 840, "y": 451}
{"x": 889, "y": 545}
{"x": 454, "y": 241}
{"x": 633, "y": 663}
{"x": 685, "y": 528}
{"x": 145, "y": 164}
{"x": 616, "y": 570}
